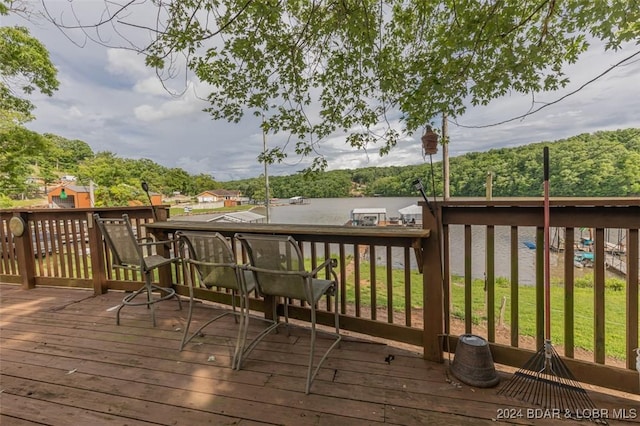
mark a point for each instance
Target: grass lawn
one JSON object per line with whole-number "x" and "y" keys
{"x": 615, "y": 305}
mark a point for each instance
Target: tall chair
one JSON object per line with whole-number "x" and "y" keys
{"x": 136, "y": 254}
{"x": 210, "y": 258}
{"x": 278, "y": 267}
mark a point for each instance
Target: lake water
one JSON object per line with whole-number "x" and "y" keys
{"x": 335, "y": 211}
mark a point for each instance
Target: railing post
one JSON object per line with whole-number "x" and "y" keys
{"x": 164, "y": 250}
{"x": 25, "y": 254}
{"x": 433, "y": 295}
{"x": 98, "y": 267}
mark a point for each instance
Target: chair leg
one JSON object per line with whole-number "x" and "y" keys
{"x": 148, "y": 289}
{"x": 185, "y": 335}
{"x": 150, "y": 302}
{"x": 127, "y": 301}
{"x": 311, "y": 351}
{"x": 189, "y": 316}
{"x": 242, "y": 332}
{"x": 311, "y": 375}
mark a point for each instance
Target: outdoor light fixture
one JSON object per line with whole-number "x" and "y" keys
{"x": 417, "y": 184}
{"x": 63, "y": 194}
{"x": 430, "y": 141}
{"x": 145, "y": 188}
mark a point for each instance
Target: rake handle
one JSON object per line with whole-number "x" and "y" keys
{"x": 547, "y": 248}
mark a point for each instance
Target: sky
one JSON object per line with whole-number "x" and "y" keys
{"x": 109, "y": 99}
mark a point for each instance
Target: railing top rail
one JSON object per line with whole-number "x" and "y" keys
{"x": 538, "y": 201}
{"x": 294, "y": 229}
{"x": 81, "y": 210}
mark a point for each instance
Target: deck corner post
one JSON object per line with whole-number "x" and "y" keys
{"x": 433, "y": 293}
{"x": 25, "y": 254}
{"x": 98, "y": 267}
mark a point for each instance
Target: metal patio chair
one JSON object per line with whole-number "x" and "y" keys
{"x": 136, "y": 254}
{"x": 279, "y": 270}
{"x": 209, "y": 256}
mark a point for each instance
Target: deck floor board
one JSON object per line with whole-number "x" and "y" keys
{"x": 64, "y": 361}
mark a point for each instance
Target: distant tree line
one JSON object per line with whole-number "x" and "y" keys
{"x": 602, "y": 164}
{"x": 599, "y": 164}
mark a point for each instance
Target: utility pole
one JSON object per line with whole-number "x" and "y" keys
{"x": 266, "y": 176}
{"x": 445, "y": 157}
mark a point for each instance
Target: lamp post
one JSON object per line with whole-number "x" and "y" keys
{"x": 266, "y": 175}
{"x": 445, "y": 157}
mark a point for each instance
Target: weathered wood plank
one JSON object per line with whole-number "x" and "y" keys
{"x": 64, "y": 361}
{"x": 26, "y": 410}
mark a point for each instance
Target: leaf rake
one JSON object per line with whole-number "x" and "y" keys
{"x": 545, "y": 380}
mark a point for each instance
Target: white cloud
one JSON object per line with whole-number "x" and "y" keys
{"x": 187, "y": 104}
{"x": 150, "y": 86}
{"x": 74, "y": 113}
{"x": 126, "y": 63}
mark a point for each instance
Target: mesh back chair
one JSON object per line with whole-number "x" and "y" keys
{"x": 278, "y": 267}
{"x": 129, "y": 253}
{"x": 210, "y": 256}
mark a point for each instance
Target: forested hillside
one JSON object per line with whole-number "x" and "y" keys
{"x": 599, "y": 164}
{"x": 604, "y": 164}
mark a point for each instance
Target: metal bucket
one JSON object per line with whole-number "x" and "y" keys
{"x": 473, "y": 363}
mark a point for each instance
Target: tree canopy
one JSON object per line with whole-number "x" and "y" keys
{"x": 24, "y": 67}
{"x": 314, "y": 68}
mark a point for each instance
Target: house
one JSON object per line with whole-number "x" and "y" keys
{"x": 217, "y": 195}
{"x": 70, "y": 196}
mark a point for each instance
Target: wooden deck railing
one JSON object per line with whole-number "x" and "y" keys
{"x": 568, "y": 217}
{"x": 409, "y": 267}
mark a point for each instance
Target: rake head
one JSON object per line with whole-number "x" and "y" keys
{"x": 546, "y": 381}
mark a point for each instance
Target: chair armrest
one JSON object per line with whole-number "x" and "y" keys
{"x": 329, "y": 263}
{"x": 153, "y": 243}
{"x": 202, "y": 263}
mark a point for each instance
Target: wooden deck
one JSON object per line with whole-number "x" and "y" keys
{"x": 65, "y": 362}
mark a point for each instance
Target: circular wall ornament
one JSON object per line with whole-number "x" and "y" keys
{"x": 17, "y": 225}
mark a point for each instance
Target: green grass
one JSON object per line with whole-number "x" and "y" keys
{"x": 615, "y": 312}
{"x": 398, "y": 288}
{"x": 615, "y": 305}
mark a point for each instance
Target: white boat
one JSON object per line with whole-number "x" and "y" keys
{"x": 296, "y": 200}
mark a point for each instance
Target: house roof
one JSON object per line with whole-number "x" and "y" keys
{"x": 75, "y": 188}
{"x": 225, "y": 192}
{"x": 369, "y": 210}
{"x": 413, "y": 209}
{"x": 220, "y": 193}
{"x": 238, "y": 217}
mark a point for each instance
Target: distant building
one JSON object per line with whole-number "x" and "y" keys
{"x": 69, "y": 197}
{"x": 217, "y": 195}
